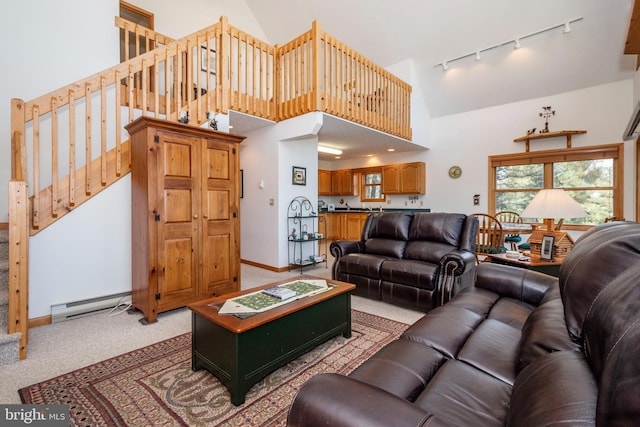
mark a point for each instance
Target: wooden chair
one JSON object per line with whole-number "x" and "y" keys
{"x": 510, "y": 217}
{"x": 489, "y": 238}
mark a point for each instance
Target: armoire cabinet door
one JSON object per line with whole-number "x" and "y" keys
{"x": 179, "y": 225}
{"x": 220, "y": 219}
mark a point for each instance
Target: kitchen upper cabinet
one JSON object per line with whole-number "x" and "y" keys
{"x": 324, "y": 182}
{"x": 405, "y": 178}
{"x": 344, "y": 183}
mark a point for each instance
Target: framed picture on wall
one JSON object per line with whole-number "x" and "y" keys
{"x": 546, "y": 252}
{"x": 299, "y": 176}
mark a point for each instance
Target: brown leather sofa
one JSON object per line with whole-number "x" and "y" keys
{"x": 411, "y": 260}
{"x": 518, "y": 349}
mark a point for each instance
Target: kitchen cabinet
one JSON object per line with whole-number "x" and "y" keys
{"x": 185, "y": 220}
{"x": 404, "y": 178}
{"x": 344, "y": 183}
{"x": 324, "y": 182}
{"x": 354, "y": 224}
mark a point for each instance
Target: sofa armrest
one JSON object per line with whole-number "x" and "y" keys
{"x": 339, "y": 248}
{"x": 458, "y": 262}
{"x": 514, "y": 282}
{"x": 457, "y": 271}
{"x": 339, "y": 401}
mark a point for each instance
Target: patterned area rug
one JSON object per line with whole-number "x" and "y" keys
{"x": 155, "y": 386}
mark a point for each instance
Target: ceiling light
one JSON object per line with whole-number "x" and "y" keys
{"x": 391, "y": 149}
{"x": 329, "y": 150}
{"x": 567, "y": 28}
{"x": 445, "y": 67}
{"x": 517, "y": 44}
{"x": 477, "y": 58}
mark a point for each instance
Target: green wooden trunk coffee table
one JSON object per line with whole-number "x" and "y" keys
{"x": 240, "y": 352}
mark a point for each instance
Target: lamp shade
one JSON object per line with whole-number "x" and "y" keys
{"x": 553, "y": 203}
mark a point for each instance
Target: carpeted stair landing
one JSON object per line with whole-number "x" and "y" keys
{"x": 9, "y": 344}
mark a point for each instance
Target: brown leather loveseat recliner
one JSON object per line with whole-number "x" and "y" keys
{"x": 517, "y": 349}
{"x": 413, "y": 260}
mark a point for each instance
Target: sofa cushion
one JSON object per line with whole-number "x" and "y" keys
{"x": 413, "y": 273}
{"x": 612, "y": 344}
{"x": 445, "y": 330}
{"x": 385, "y": 247}
{"x": 492, "y": 349}
{"x": 390, "y": 225}
{"x": 437, "y": 227}
{"x": 402, "y": 368}
{"x": 544, "y": 331}
{"x": 362, "y": 264}
{"x": 461, "y": 395}
{"x": 430, "y": 252}
{"x": 605, "y": 252}
{"x": 556, "y": 389}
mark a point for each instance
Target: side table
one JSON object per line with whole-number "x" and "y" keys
{"x": 551, "y": 268}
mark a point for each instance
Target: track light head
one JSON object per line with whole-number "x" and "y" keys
{"x": 477, "y": 58}
{"x": 516, "y": 43}
{"x": 445, "y": 67}
{"x": 567, "y": 28}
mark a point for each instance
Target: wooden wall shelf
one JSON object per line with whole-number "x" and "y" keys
{"x": 534, "y": 136}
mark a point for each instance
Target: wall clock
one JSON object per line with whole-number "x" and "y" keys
{"x": 455, "y": 172}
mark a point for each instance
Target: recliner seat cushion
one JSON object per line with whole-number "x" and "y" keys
{"x": 362, "y": 264}
{"x": 413, "y": 273}
{"x": 461, "y": 395}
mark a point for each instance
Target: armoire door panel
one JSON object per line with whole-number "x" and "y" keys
{"x": 178, "y": 205}
{"x": 218, "y": 166}
{"x": 177, "y": 157}
{"x": 218, "y": 204}
{"x": 217, "y": 260}
{"x": 176, "y": 281}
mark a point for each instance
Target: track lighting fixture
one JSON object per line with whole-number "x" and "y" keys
{"x": 566, "y": 28}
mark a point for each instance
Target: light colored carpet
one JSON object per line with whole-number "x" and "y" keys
{"x": 62, "y": 347}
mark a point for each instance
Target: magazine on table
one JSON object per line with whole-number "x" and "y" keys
{"x": 259, "y": 301}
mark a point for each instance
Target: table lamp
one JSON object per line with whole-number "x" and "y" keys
{"x": 553, "y": 203}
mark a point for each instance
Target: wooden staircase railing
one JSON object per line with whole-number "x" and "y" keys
{"x": 77, "y": 132}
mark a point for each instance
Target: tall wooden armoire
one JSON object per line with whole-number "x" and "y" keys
{"x": 185, "y": 214}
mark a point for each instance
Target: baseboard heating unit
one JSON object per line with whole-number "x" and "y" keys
{"x": 72, "y": 310}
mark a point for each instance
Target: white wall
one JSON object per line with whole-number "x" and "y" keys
{"x": 468, "y": 139}
{"x": 267, "y": 156}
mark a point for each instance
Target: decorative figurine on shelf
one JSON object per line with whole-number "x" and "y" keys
{"x": 546, "y": 113}
{"x": 213, "y": 123}
{"x": 183, "y": 117}
{"x": 293, "y": 235}
{"x": 531, "y": 131}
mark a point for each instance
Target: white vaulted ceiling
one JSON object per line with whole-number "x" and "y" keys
{"x": 428, "y": 32}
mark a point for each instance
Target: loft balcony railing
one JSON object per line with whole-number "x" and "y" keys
{"x": 70, "y": 144}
